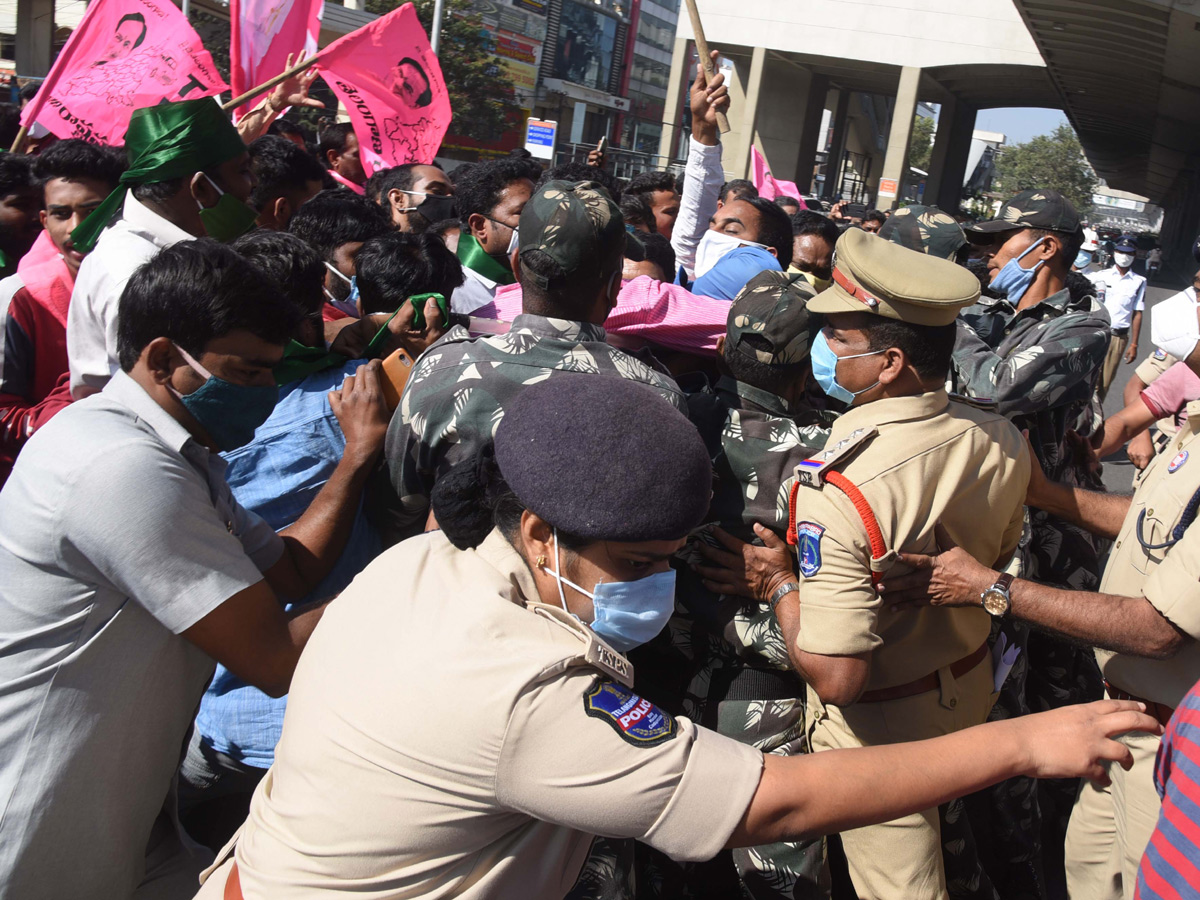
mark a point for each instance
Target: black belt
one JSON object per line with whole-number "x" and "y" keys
{"x": 745, "y": 683}
{"x": 1120, "y": 332}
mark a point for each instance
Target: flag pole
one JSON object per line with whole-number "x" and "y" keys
{"x": 435, "y": 35}
{"x": 302, "y": 66}
{"x": 710, "y": 71}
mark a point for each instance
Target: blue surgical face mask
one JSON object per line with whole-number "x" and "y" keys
{"x": 1083, "y": 259}
{"x": 1013, "y": 280}
{"x": 824, "y": 363}
{"x": 229, "y": 412}
{"x": 350, "y": 305}
{"x": 626, "y": 614}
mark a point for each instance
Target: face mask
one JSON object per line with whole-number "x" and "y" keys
{"x": 229, "y": 412}
{"x": 505, "y": 258}
{"x": 229, "y": 219}
{"x": 819, "y": 284}
{"x": 1083, "y": 260}
{"x": 513, "y": 243}
{"x": 350, "y": 305}
{"x": 715, "y": 245}
{"x": 824, "y": 363}
{"x": 627, "y": 614}
{"x": 1013, "y": 281}
{"x": 1174, "y": 326}
{"x": 1123, "y": 260}
{"x": 435, "y": 207}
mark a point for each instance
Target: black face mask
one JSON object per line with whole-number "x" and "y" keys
{"x": 434, "y": 208}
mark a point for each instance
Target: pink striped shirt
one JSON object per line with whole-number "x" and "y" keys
{"x": 649, "y": 310}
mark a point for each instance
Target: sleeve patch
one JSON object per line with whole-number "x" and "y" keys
{"x": 637, "y": 721}
{"x": 808, "y": 547}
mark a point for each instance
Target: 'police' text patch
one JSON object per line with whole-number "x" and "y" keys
{"x": 636, "y": 720}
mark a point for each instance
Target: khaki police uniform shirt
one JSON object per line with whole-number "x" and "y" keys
{"x": 1169, "y": 578}
{"x": 918, "y": 461}
{"x": 444, "y": 739}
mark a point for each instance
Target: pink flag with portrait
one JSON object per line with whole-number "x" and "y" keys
{"x": 263, "y": 33}
{"x": 125, "y": 54}
{"x": 390, "y": 82}
{"x": 768, "y": 185}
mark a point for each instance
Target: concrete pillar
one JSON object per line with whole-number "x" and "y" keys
{"x": 941, "y": 145}
{"x": 895, "y": 162}
{"x": 741, "y": 137}
{"x": 837, "y": 149}
{"x": 675, "y": 86}
{"x": 946, "y": 191}
{"x": 35, "y": 36}
{"x": 810, "y": 131}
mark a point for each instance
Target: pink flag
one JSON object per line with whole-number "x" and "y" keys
{"x": 263, "y": 34}
{"x": 391, "y": 84}
{"x": 125, "y": 54}
{"x": 768, "y": 185}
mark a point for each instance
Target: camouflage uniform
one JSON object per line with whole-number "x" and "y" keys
{"x": 722, "y": 660}
{"x": 925, "y": 229}
{"x": 1039, "y": 366}
{"x": 459, "y": 387}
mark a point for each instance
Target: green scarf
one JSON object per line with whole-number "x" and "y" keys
{"x": 473, "y": 256}
{"x": 299, "y": 360}
{"x": 171, "y": 140}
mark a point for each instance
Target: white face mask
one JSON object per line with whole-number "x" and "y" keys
{"x": 1123, "y": 260}
{"x": 1174, "y": 326}
{"x": 713, "y": 246}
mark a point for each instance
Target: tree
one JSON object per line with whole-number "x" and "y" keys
{"x": 1053, "y": 161}
{"x": 920, "y": 149}
{"x": 481, "y": 94}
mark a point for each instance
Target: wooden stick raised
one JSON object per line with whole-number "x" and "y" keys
{"x": 19, "y": 144}
{"x": 299, "y": 67}
{"x": 710, "y": 70}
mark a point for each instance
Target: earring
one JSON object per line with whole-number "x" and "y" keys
{"x": 541, "y": 561}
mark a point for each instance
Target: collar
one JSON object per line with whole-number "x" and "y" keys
{"x": 1114, "y": 270}
{"x": 142, "y": 219}
{"x": 562, "y": 329}
{"x": 757, "y": 397}
{"x": 346, "y": 182}
{"x": 122, "y": 389}
{"x": 893, "y": 409}
{"x": 1056, "y": 302}
{"x": 498, "y": 553}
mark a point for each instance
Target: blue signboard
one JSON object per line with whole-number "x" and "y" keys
{"x": 539, "y": 138}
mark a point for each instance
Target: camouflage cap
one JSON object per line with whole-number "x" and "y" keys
{"x": 576, "y": 224}
{"x": 879, "y": 277}
{"x": 1037, "y": 208}
{"x": 773, "y": 308}
{"x": 925, "y": 229}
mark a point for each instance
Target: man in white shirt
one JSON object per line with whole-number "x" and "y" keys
{"x": 184, "y": 160}
{"x": 1123, "y": 294}
{"x": 490, "y": 199}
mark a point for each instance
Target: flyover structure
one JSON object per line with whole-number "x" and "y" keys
{"x": 1127, "y": 73}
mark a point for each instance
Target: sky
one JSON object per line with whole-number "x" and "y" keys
{"x": 1019, "y": 125}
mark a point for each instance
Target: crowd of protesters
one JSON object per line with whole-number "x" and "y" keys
{"x": 512, "y": 531}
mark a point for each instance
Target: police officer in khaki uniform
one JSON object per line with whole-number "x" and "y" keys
{"x": 902, "y": 459}
{"x": 1145, "y": 620}
{"x": 461, "y": 723}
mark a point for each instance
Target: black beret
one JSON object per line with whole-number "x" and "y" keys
{"x": 605, "y": 458}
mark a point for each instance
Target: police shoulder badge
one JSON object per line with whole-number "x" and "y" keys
{"x": 1177, "y": 463}
{"x": 1160, "y": 353}
{"x": 808, "y": 547}
{"x": 636, "y": 720}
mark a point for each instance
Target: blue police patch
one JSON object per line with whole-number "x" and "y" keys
{"x": 1159, "y": 353}
{"x": 808, "y": 547}
{"x": 637, "y": 721}
{"x": 1177, "y": 463}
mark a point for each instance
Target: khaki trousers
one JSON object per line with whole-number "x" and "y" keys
{"x": 1112, "y": 362}
{"x": 902, "y": 859}
{"x": 1110, "y": 827}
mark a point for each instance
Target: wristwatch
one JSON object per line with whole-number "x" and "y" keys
{"x": 996, "y": 599}
{"x": 782, "y": 591}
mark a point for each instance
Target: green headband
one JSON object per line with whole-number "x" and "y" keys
{"x": 171, "y": 140}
